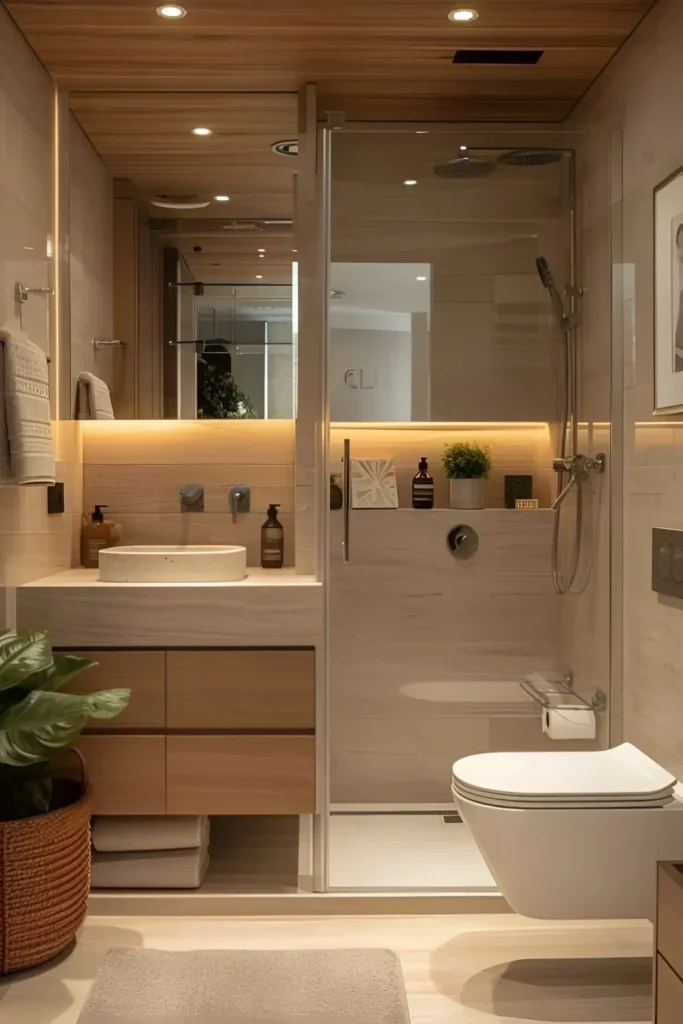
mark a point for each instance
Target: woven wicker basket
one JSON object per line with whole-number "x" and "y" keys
{"x": 44, "y": 881}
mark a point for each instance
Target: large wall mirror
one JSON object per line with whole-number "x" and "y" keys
{"x": 183, "y": 253}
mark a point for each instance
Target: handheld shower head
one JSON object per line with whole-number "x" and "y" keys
{"x": 548, "y": 281}
{"x": 544, "y": 272}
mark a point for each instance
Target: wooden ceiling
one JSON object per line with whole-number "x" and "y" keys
{"x": 371, "y": 58}
{"x": 139, "y": 83}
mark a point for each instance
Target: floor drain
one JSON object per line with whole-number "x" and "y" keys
{"x": 451, "y": 819}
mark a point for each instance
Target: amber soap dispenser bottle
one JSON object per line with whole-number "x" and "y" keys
{"x": 423, "y": 486}
{"x": 272, "y": 541}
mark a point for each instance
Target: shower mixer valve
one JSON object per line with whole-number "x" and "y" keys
{"x": 581, "y": 465}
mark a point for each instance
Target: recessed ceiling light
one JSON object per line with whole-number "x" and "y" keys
{"x": 420, "y": 278}
{"x": 261, "y": 255}
{"x": 295, "y": 250}
{"x": 168, "y": 203}
{"x": 260, "y": 250}
{"x": 463, "y": 14}
{"x": 259, "y": 277}
{"x": 422, "y": 133}
{"x": 171, "y": 11}
{"x": 410, "y": 181}
{"x": 202, "y": 131}
{"x": 222, "y": 199}
{"x": 463, "y": 149}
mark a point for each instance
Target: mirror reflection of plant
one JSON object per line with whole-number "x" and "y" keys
{"x": 466, "y": 460}
{"x": 37, "y": 722}
{"x": 218, "y": 397}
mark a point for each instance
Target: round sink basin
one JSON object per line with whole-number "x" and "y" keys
{"x": 191, "y": 563}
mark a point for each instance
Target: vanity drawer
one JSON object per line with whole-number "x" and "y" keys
{"x": 669, "y": 997}
{"x": 670, "y": 915}
{"x": 269, "y": 689}
{"x": 127, "y": 773}
{"x": 143, "y": 672}
{"x": 241, "y": 774}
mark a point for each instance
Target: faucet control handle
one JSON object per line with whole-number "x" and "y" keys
{"x": 239, "y": 499}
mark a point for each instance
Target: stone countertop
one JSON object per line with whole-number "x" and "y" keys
{"x": 270, "y": 608}
{"x": 256, "y": 577}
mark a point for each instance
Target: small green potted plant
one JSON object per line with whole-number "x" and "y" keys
{"x": 44, "y": 818}
{"x": 466, "y": 464}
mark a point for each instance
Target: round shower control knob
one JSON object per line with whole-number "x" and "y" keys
{"x": 463, "y": 540}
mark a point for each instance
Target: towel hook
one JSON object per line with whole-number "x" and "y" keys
{"x": 23, "y": 291}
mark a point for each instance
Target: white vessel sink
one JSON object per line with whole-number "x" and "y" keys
{"x": 191, "y": 563}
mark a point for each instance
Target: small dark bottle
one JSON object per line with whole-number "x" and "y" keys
{"x": 423, "y": 486}
{"x": 272, "y": 541}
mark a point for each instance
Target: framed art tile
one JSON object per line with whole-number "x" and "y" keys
{"x": 668, "y": 288}
{"x": 373, "y": 483}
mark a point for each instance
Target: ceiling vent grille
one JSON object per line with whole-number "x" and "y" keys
{"x": 514, "y": 57}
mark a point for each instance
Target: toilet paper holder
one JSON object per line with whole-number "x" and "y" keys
{"x": 558, "y": 695}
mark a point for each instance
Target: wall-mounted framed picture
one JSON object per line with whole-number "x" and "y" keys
{"x": 668, "y": 287}
{"x": 373, "y": 483}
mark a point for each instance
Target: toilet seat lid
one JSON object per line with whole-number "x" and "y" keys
{"x": 582, "y": 776}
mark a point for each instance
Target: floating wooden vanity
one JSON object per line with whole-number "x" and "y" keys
{"x": 222, "y": 714}
{"x": 206, "y": 732}
{"x": 669, "y": 945}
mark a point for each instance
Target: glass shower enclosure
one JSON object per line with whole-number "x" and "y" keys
{"x": 439, "y": 332}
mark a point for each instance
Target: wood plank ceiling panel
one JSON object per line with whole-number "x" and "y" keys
{"x": 357, "y": 51}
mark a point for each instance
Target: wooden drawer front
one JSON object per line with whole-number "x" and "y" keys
{"x": 272, "y": 689}
{"x": 127, "y": 773}
{"x": 669, "y": 995}
{"x": 670, "y": 916}
{"x": 143, "y": 672}
{"x": 241, "y": 774}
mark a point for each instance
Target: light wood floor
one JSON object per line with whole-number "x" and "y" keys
{"x": 498, "y": 969}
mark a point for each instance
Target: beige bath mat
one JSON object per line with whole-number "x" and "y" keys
{"x": 328, "y": 986}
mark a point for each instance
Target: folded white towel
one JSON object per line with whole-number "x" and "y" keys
{"x": 153, "y": 832}
{"x": 164, "y": 869}
{"x": 26, "y": 450}
{"x": 94, "y": 398}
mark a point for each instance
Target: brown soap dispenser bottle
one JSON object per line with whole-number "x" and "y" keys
{"x": 272, "y": 541}
{"x": 423, "y": 486}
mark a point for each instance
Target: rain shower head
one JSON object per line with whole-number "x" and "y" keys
{"x": 465, "y": 166}
{"x": 531, "y": 157}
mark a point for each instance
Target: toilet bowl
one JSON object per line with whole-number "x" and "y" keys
{"x": 572, "y": 835}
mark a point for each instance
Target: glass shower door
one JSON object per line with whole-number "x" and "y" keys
{"x": 439, "y": 333}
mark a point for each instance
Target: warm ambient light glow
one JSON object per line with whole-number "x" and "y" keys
{"x": 171, "y": 11}
{"x": 222, "y": 199}
{"x": 463, "y": 14}
{"x": 202, "y": 131}
{"x": 410, "y": 181}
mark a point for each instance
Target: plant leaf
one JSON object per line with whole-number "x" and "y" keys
{"x": 22, "y": 656}
{"x": 44, "y": 723}
{"x": 63, "y": 669}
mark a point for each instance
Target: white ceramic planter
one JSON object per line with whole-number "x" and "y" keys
{"x": 467, "y": 493}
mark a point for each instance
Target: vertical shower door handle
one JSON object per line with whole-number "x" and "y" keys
{"x": 347, "y": 498}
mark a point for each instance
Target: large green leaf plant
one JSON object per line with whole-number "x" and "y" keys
{"x": 37, "y": 721}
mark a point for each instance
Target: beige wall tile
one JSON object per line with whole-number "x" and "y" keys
{"x": 636, "y": 101}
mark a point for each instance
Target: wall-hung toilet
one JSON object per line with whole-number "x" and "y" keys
{"x": 572, "y": 835}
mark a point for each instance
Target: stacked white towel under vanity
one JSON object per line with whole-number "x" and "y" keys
{"x": 150, "y": 852}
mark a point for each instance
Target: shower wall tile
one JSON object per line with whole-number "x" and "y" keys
{"x": 406, "y": 615}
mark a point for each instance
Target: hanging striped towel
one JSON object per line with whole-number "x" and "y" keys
{"x": 26, "y": 450}
{"x": 94, "y": 398}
